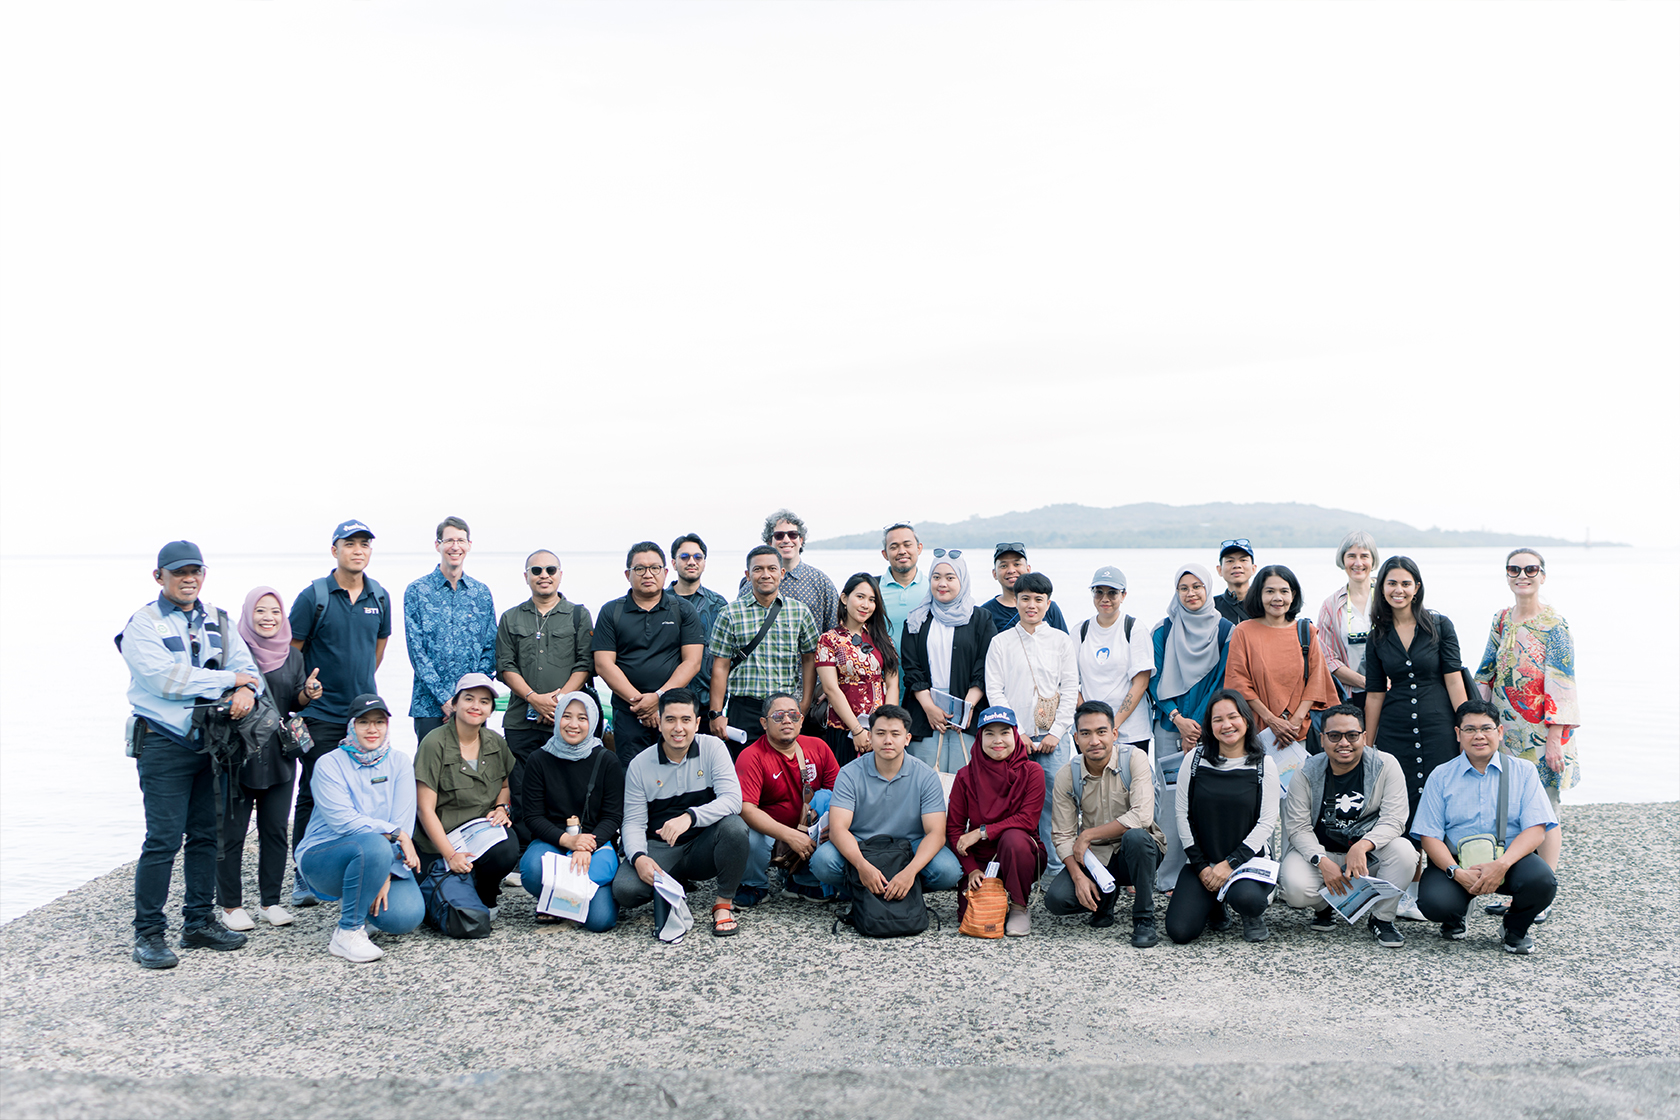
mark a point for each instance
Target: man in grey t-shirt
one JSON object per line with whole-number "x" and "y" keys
{"x": 887, "y": 793}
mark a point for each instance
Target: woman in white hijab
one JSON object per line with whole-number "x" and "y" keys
{"x": 1191, "y": 644}
{"x": 944, "y": 663}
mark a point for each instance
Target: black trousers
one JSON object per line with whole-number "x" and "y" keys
{"x": 630, "y": 738}
{"x": 488, "y": 870}
{"x": 744, "y": 712}
{"x": 272, "y": 805}
{"x": 424, "y": 726}
{"x": 1133, "y": 864}
{"x": 1531, "y": 885}
{"x": 1187, "y": 913}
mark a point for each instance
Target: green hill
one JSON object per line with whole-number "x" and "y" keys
{"x": 1154, "y": 525}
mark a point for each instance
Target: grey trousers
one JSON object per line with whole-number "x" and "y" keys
{"x": 1396, "y": 861}
{"x": 716, "y": 851}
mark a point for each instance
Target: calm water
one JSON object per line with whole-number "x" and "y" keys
{"x": 66, "y": 788}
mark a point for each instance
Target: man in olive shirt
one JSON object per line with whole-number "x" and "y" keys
{"x": 542, "y": 652}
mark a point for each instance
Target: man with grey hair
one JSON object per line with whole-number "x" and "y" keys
{"x": 903, "y": 586}
{"x": 785, "y": 532}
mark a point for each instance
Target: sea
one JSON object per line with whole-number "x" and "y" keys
{"x": 70, "y": 803}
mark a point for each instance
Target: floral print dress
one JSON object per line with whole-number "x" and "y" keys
{"x": 1531, "y": 668}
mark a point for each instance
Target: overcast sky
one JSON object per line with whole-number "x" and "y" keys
{"x": 602, "y": 268}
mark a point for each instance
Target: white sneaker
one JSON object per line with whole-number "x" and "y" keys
{"x": 495, "y": 912}
{"x": 275, "y": 916}
{"x": 353, "y": 945}
{"x": 1409, "y": 910}
{"x": 512, "y": 879}
{"x": 236, "y": 919}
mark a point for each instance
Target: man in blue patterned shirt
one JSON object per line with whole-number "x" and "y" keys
{"x": 449, "y": 620}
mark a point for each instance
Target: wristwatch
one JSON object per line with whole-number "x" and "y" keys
{"x": 1452, "y": 872}
{"x": 1315, "y": 860}
{"x": 982, "y": 832}
{"x": 710, "y": 716}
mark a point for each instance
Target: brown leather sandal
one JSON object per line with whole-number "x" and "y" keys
{"x": 725, "y": 926}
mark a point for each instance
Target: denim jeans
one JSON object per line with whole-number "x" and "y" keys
{"x": 353, "y": 869}
{"x": 603, "y": 865}
{"x": 179, "y": 795}
{"x": 942, "y": 873}
{"x": 759, "y": 846}
{"x": 1053, "y": 764}
{"x": 948, "y": 760}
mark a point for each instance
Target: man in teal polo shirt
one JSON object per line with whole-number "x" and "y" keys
{"x": 903, "y": 586}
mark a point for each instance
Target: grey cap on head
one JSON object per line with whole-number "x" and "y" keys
{"x": 178, "y": 554}
{"x": 1109, "y": 576}
{"x": 475, "y": 680}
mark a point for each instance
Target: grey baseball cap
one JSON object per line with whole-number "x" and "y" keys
{"x": 1109, "y": 576}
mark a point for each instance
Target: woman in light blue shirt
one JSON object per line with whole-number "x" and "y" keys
{"x": 360, "y": 847}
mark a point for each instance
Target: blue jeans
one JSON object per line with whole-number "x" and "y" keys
{"x": 942, "y": 873}
{"x": 353, "y": 869}
{"x": 948, "y": 760}
{"x": 603, "y": 865}
{"x": 1053, "y": 764}
{"x": 179, "y": 795}
{"x": 759, "y": 846}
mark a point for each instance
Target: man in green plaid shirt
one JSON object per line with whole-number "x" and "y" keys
{"x": 785, "y": 660}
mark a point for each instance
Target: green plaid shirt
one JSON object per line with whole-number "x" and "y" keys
{"x": 775, "y": 665}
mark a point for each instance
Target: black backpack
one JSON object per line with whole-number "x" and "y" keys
{"x": 874, "y": 916}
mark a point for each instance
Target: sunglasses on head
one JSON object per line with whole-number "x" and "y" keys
{"x": 1529, "y": 570}
{"x": 539, "y": 570}
{"x": 942, "y": 553}
{"x": 1011, "y": 546}
{"x": 1235, "y": 542}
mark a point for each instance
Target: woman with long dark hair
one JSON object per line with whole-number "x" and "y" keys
{"x": 857, "y": 668}
{"x": 1227, "y": 806}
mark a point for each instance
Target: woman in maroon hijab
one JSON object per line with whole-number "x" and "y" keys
{"x": 993, "y": 815}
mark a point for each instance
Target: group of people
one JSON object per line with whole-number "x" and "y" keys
{"x": 1225, "y": 753}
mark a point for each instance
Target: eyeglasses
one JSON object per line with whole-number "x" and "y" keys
{"x": 784, "y": 715}
{"x": 539, "y": 570}
{"x": 1481, "y": 729}
{"x": 1106, "y": 593}
{"x": 1341, "y": 736}
{"x": 685, "y": 557}
{"x": 1237, "y": 542}
{"x": 647, "y": 569}
{"x": 453, "y": 540}
{"x": 1529, "y": 570}
{"x": 947, "y": 553}
{"x": 785, "y": 534}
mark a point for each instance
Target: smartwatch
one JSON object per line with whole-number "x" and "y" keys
{"x": 710, "y": 716}
{"x": 1315, "y": 860}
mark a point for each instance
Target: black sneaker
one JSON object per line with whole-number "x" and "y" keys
{"x": 1497, "y": 909}
{"x": 152, "y": 951}
{"x": 1453, "y": 929}
{"x": 1522, "y": 946}
{"x": 1385, "y": 933}
{"x": 1254, "y": 929}
{"x": 1143, "y": 932}
{"x": 1218, "y": 920}
{"x": 1324, "y": 921}
{"x": 1101, "y": 919}
{"x": 211, "y": 935}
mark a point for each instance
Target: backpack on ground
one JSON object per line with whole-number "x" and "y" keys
{"x": 874, "y": 916}
{"x": 452, "y": 903}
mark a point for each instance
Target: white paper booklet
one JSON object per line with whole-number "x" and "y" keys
{"x": 1364, "y": 892}
{"x": 817, "y": 827}
{"x": 1260, "y": 869}
{"x": 477, "y": 836}
{"x": 565, "y": 893}
{"x": 678, "y": 919}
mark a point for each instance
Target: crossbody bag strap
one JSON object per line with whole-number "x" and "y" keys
{"x": 746, "y": 651}
{"x": 1504, "y": 798}
{"x": 594, "y": 772}
{"x": 1027, "y": 653}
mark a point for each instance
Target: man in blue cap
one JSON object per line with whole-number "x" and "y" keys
{"x": 341, "y": 622}
{"x": 180, "y": 652}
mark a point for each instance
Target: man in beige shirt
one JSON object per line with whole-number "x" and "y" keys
{"x": 1103, "y": 807}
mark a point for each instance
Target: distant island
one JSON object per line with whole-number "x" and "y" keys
{"x": 1154, "y": 525}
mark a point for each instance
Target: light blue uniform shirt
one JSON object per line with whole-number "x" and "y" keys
{"x": 165, "y": 676}
{"x": 899, "y": 599}
{"x": 350, "y": 798}
{"x": 1457, "y": 801}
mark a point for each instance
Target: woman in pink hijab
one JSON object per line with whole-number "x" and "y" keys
{"x": 266, "y": 780}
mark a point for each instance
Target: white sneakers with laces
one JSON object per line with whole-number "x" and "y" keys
{"x": 353, "y": 945}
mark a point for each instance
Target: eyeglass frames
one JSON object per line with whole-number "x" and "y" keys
{"x": 1341, "y": 736}
{"x": 647, "y": 569}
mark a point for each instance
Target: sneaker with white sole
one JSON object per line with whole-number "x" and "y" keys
{"x": 1385, "y": 933}
{"x": 1323, "y": 921}
{"x": 353, "y": 945}
{"x": 276, "y": 915}
{"x": 237, "y": 920}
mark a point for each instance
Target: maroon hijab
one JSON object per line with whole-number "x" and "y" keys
{"x": 1000, "y": 789}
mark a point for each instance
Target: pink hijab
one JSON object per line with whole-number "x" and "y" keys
{"x": 270, "y": 653}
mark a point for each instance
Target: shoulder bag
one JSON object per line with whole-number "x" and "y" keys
{"x": 1044, "y": 707}
{"x": 1483, "y": 847}
{"x": 782, "y": 854}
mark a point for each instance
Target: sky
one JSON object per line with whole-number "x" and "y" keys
{"x": 569, "y": 270}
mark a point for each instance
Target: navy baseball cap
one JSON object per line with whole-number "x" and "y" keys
{"x": 368, "y": 702}
{"x": 178, "y": 554}
{"x": 997, "y": 714}
{"x": 349, "y": 529}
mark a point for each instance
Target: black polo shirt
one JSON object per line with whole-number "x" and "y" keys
{"x": 1230, "y": 607}
{"x": 648, "y": 643}
{"x": 343, "y": 645}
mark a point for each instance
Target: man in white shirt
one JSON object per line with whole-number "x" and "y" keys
{"x": 1116, "y": 657}
{"x": 1033, "y": 669}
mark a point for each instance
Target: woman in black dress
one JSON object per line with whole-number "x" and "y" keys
{"x": 1413, "y": 682}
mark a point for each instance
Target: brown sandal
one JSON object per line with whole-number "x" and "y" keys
{"x": 725, "y": 926}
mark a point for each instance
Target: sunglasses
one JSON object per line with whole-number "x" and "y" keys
{"x": 539, "y": 570}
{"x": 1529, "y": 570}
{"x": 1341, "y": 736}
{"x": 784, "y": 715}
{"x": 943, "y": 553}
{"x": 1011, "y": 546}
{"x": 857, "y": 640}
{"x": 685, "y": 557}
{"x": 1235, "y": 542}
{"x": 785, "y": 535}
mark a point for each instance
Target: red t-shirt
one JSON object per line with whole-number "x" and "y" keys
{"x": 770, "y": 779}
